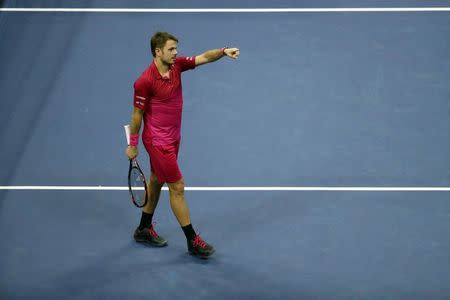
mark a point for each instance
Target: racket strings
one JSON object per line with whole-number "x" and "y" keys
{"x": 137, "y": 184}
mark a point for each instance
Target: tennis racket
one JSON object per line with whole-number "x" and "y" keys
{"x": 137, "y": 184}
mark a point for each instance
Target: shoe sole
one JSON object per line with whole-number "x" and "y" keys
{"x": 151, "y": 244}
{"x": 200, "y": 255}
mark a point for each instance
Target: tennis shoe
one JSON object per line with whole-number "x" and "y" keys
{"x": 149, "y": 236}
{"x": 198, "y": 247}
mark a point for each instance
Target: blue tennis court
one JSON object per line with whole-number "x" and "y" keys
{"x": 317, "y": 99}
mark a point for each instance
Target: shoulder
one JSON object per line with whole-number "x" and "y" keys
{"x": 144, "y": 80}
{"x": 185, "y": 63}
{"x": 184, "y": 59}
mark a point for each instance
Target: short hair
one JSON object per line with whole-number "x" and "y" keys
{"x": 159, "y": 40}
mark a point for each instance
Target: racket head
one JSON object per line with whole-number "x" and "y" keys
{"x": 137, "y": 185}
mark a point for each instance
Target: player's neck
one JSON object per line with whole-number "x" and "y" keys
{"x": 161, "y": 66}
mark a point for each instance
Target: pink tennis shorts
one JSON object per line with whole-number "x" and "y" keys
{"x": 163, "y": 160}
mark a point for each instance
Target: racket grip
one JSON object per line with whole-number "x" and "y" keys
{"x": 127, "y": 133}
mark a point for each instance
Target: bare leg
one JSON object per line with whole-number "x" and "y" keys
{"x": 154, "y": 190}
{"x": 149, "y": 235}
{"x": 178, "y": 203}
{"x": 196, "y": 246}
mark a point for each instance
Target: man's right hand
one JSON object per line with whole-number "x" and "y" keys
{"x": 132, "y": 152}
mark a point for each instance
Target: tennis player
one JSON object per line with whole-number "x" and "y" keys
{"x": 158, "y": 100}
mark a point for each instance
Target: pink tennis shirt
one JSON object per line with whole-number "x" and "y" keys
{"x": 161, "y": 98}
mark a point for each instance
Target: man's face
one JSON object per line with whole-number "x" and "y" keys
{"x": 168, "y": 53}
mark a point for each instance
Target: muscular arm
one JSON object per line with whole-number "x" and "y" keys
{"x": 136, "y": 120}
{"x": 215, "y": 54}
{"x": 135, "y": 126}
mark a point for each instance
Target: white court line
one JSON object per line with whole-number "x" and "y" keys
{"x": 239, "y": 188}
{"x": 231, "y": 10}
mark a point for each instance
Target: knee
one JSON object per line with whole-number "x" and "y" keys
{"x": 177, "y": 188}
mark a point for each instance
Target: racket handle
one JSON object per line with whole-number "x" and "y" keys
{"x": 127, "y": 133}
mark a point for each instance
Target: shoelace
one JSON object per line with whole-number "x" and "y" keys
{"x": 199, "y": 242}
{"x": 152, "y": 231}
